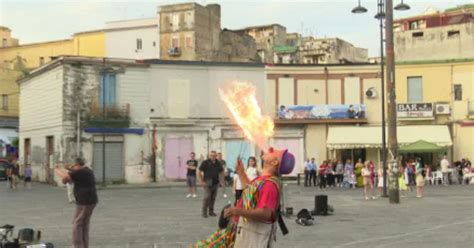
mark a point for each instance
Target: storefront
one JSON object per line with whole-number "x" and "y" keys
{"x": 366, "y": 141}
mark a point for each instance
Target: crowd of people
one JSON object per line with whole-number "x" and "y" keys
{"x": 413, "y": 173}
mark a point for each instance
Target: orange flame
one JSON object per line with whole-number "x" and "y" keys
{"x": 240, "y": 98}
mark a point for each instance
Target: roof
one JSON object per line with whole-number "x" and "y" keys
{"x": 260, "y": 26}
{"x": 35, "y": 44}
{"x": 79, "y": 59}
{"x": 285, "y": 49}
{"x": 371, "y": 136}
{"x": 200, "y": 63}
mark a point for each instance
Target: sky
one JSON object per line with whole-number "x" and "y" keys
{"x": 45, "y": 20}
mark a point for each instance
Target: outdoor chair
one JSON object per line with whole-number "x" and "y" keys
{"x": 437, "y": 176}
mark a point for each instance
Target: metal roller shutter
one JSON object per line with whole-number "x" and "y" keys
{"x": 113, "y": 161}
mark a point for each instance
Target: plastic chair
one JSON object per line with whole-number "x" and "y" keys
{"x": 437, "y": 175}
{"x": 429, "y": 177}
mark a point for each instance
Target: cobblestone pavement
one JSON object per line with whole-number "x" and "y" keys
{"x": 162, "y": 217}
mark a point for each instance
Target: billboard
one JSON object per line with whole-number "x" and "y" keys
{"x": 330, "y": 111}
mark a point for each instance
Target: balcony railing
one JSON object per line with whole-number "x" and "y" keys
{"x": 115, "y": 116}
{"x": 175, "y": 51}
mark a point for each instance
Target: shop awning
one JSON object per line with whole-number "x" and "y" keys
{"x": 371, "y": 136}
{"x": 421, "y": 146}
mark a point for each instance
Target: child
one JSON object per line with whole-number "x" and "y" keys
{"x": 237, "y": 188}
{"x": 27, "y": 173}
{"x": 401, "y": 181}
{"x": 365, "y": 173}
{"x": 380, "y": 181}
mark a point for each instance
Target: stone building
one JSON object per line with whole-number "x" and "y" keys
{"x": 6, "y": 37}
{"x": 330, "y": 51}
{"x": 193, "y": 32}
{"x": 266, "y": 37}
{"x": 436, "y": 35}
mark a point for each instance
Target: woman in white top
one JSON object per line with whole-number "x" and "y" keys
{"x": 237, "y": 188}
{"x": 252, "y": 171}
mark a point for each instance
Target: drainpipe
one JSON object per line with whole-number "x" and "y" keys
{"x": 153, "y": 148}
{"x": 78, "y": 134}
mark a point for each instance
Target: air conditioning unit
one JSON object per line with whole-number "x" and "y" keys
{"x": 371, "y": 93}
{"x": 442, "y": 109}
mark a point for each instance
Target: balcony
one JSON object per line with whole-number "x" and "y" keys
{"x": 175, "y": 51}
{"x": 116, "y": 116}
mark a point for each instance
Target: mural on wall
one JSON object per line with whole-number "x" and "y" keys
{"x": 331, "y": 111}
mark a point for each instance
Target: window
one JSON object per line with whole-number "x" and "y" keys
{"x": 4, "y": 42}
{"x": 414, "y": 25}
{"x": 5, "y": 102}
{"x": 417, "y": 34}
{"x": 453, "y": 33}
{"x": 175, "y": 21}
{"x": 154, "y": 43}
{"x": 457, "y": 92}
{"x": 415, "y": 89}
{"x": 189, "y": 42}
{"x": 174, "y": 42}
{"x": 108, "y": 90}
{"x": 189, "y": 19}
{"x": 139, "y": 44}
{"x": 41, "y": 61}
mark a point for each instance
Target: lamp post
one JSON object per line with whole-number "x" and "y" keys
{"x": 387, "y": 14}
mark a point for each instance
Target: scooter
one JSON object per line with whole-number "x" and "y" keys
{"x": 27, "y": 238}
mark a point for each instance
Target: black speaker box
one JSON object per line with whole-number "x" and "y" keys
{"x": 320, "y": 205}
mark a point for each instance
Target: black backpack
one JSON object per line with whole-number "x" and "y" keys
{"x": 304, "y": 218}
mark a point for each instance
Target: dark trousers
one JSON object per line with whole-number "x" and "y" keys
{"x": 306, "y": 178}
{"x": 238, "y": 195}
{"x": 322, "y": 181}
{"x": 330, "y": 180}
{"x": 209, "y": 199}
{"x": 312, "y": 177}
{"x": 339, "y": 178}
{"x": 80, "y": 231}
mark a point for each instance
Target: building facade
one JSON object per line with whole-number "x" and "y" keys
{"x": 156, "y": 112}
{"x": 330, "y": 51}
{"x": 446, "y": 88}
{"x": 266, "y": 37}
{"x": 191, "y": 32}
{"x": 449, "y": 33}
{"x": 133, "y": 39}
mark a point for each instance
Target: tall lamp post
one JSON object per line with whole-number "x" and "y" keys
{"x": 359, "y": 9}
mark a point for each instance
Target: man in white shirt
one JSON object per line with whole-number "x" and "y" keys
{"x": 445, "y": 170}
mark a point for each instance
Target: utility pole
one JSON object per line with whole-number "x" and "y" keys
{"x": 104, "y": 78}
{"x": 381, "y": 17}
{"x": 394, "y": 196}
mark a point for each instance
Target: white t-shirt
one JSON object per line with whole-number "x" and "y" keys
{"x": 251, "y": 173}
{"x": 238, "y": 183}
{"x": 444, "y": 165}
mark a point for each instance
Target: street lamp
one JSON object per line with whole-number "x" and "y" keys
{"x": 359, "y": 9}
{"x": 402, "y": 6}
{"x": 381, "y": 17}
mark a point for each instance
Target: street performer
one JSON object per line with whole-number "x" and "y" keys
{"x": 253, "y": 220}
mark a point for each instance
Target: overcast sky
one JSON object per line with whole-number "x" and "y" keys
{"x": 43, "y": 20}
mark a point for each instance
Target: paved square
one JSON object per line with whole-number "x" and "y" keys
{"x": 163, "y": 217}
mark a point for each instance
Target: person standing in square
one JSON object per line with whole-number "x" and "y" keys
{"x": 192, "y": 164}
{"x": 86, "y": 199}
{"x": 209, "y": 174}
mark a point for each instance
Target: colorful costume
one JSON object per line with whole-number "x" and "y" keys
{"x": 262, "y": 192}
